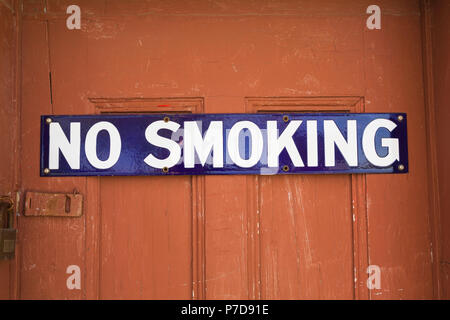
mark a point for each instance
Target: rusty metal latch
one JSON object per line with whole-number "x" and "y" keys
{"x": 53, "y": 204}
{"x": 7, "y": 233}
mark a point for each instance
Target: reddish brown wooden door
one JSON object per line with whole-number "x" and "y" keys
{"x": 226, "y": 237}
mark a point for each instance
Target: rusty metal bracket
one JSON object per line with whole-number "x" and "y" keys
{"x": 53, "y": 204}
{"x": 7, "y": 233}
{"x": 6, "y": 211}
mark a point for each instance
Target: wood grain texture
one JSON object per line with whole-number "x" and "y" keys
{"x": 398, "y": 208}
{"x": 48, "y": 245}
{"x": 439, "y": 27}
{"x": 8, "y": 126}
{"x": 223, "y": 237}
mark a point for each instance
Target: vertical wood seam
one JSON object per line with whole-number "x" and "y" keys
{"x": 47, "y": 34}
{"x": 361, "y": 226}
{"x": 17, "y": 101}
{"x": 430, "y": 123}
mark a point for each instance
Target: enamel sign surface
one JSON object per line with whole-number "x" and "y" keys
{"x": 197, "y": 144}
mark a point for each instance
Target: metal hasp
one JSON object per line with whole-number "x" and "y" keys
{"x": 53, "y": 204}
{"x": 7, "y": 233}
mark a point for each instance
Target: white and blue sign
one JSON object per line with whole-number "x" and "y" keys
{"x": 198, "y": 144}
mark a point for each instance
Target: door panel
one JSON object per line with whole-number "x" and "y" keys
{"x": 226, "y": 244}
{"x": 151, "y": 222}
{"x": 310, "y": 228}
{"x": 154, "y": 243}
{"x": 306, "y": 237}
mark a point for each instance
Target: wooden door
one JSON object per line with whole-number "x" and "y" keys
{"x": 226, "y": 237}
